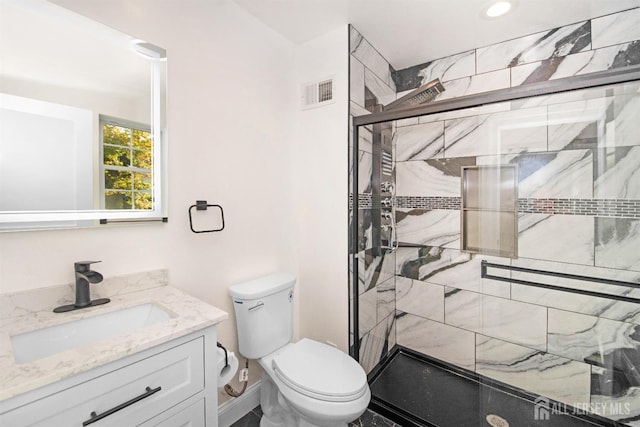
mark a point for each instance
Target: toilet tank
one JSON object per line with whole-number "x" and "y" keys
{"x": 264, "y": 314}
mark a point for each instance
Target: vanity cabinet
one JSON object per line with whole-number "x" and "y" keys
{"x": 193, "y": 416}
{"x": 173, "y": 384}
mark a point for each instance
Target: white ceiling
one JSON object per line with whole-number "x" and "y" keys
{"x": 411, "y": 32}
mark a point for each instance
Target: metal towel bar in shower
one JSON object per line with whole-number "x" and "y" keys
{"x": 484, "y": 265}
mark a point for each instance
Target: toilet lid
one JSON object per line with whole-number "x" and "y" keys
{"x": 320, "y": 371}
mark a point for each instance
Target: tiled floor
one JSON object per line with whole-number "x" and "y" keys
{"x": 252, "y": 419}
{"x": 368, "y": 419}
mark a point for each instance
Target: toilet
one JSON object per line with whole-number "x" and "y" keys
{"x": 306, "y": 383}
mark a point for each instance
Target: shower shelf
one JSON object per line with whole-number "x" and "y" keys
{"x": 484, "y": 265}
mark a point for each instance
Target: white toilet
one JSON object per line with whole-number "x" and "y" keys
{"x": 305, "y": 383}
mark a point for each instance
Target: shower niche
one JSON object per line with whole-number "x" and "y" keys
{"x": 489, "y": 210}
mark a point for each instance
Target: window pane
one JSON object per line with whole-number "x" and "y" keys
{"x": 116, "y": 135}
{"x": 117, "y": 156}
{"x": 142, "y": 181}
{"x": 117, "y": 199}
{"x": 128, "y": 167}
{"x": 143, "y": 200}
{"x": 142, "y": 159}
{"x": 117, "y": 180}
{"x": 141, "y": 139}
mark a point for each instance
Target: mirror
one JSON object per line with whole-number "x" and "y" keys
{"x": 82, "y": 120}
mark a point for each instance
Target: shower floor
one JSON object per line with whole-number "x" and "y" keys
{"x": 413, "y": 390}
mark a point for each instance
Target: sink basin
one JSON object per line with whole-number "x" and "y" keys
{"x": 44, "y": 342}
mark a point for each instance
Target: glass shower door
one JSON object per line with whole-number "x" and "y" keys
{"x": 516, "y": 273}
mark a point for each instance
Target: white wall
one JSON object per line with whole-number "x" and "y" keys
{"x": 47, "y": 149}
{"x": 321, "y": 162}
{"x": 230, "y": 104}
{"x": 236, "y": 138}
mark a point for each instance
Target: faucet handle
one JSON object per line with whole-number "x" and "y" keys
{"x": 83, "y": 266}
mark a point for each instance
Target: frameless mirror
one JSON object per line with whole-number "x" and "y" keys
{"x": 82, "y": 120}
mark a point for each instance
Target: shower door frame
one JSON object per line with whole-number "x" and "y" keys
{"x": 549, "y": 87}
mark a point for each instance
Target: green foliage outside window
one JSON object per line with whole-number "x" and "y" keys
{"x": 128, "y": 165}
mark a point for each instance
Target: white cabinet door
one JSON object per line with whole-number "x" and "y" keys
{"x": 124, "y": 397}
{"x": 191, "y": 416}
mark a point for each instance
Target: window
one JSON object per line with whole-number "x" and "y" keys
{"x": 127, "y": 165}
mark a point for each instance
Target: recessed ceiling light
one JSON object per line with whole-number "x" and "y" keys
{"x": 498, "y": 8}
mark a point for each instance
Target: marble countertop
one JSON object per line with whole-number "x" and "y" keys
{"x": 188, "y": 314}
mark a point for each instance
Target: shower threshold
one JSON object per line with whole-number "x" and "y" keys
{"x": 414, "y": 390}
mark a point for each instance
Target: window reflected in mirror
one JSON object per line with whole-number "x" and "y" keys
{"x": 82, "y": 120}
{"x": 127, "y": 161}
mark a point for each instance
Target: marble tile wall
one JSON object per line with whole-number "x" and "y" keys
{"x": 369, "y": 72}
{"x": 579, "y": 202}
{"x": 602, "y": 43}
{"x": 579, "y": 350}
{"x": 371, "y": 83}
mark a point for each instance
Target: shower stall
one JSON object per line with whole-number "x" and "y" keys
{"x": 495, "y": 255}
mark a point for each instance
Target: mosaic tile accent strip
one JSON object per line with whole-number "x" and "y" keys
{"x": 619, "y": 208}
{"x": 613, "y": 208}
{"x": 365, "y": 201}
{"x": 418, "y": 202}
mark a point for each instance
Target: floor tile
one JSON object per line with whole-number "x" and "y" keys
{"x": 249, "y": 420}
{"x": 368, "y": 419}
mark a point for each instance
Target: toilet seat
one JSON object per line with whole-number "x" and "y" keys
{"x": 320, "y": 371}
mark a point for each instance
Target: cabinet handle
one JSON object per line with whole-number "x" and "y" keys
{"x": 95, "y": 417}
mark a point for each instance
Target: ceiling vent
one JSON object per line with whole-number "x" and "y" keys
{"x": 317, "y": 94}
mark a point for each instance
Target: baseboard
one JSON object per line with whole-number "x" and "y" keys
{"x": 232, "y": 410}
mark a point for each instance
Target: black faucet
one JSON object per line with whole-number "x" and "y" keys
{"x": 84, "y": 276}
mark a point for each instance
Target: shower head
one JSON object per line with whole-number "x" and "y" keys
{"x": 421, "y": 95}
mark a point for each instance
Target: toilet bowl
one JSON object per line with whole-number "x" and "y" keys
{"x": 320, "y": 385}
{"x": 306, "y": 383}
